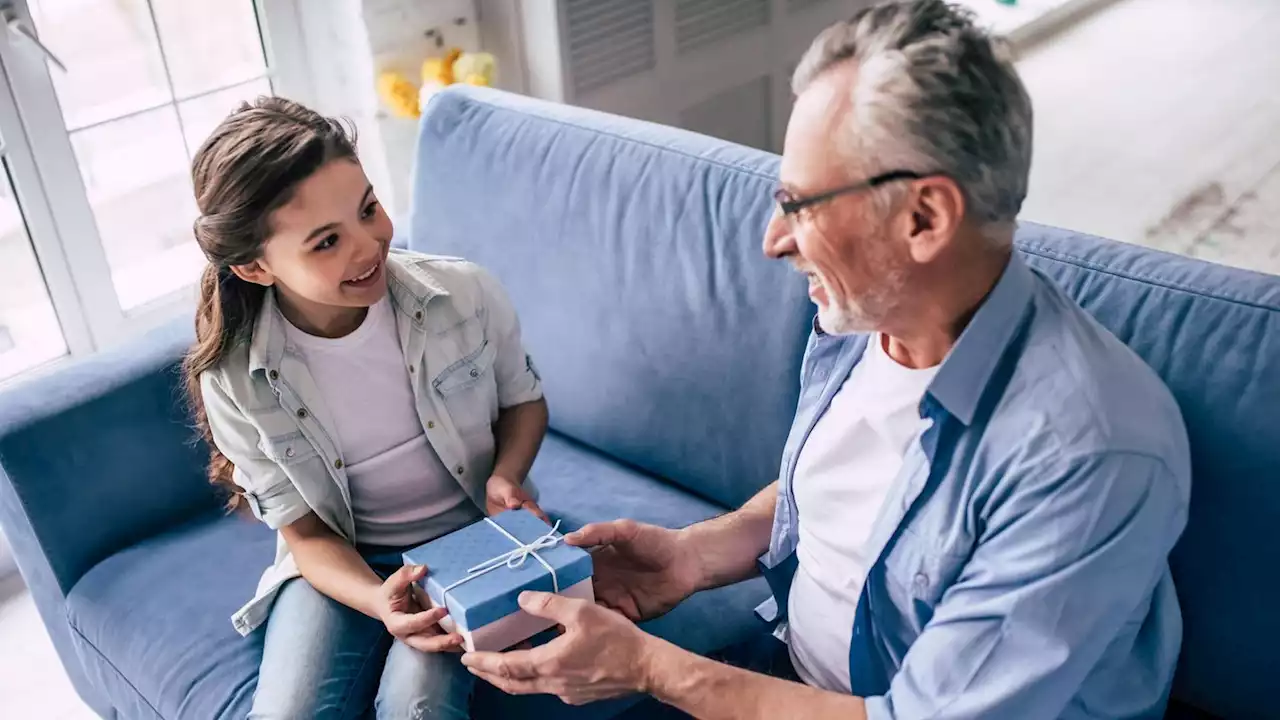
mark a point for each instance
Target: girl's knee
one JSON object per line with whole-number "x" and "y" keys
{"x": 420, "y": 685}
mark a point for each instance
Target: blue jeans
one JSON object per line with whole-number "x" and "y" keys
{"x": 324, "y": 660}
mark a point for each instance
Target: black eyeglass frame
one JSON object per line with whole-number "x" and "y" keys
{"x": 792, "y": 205}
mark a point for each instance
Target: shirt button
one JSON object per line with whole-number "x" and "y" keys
{"x": 922, "y": 580}
{"x": 431, "y": 424}
{"x": 417, "y": 315}
{"x": 475, "y": 373}
{"x": 458, "y": 469}
{"x": 302, "y": 413}
{"x": 273, "y": 375}
{"x": 410, "y": 369}
{"x": 288, "y": 452}
{"x": 338, "y": 463}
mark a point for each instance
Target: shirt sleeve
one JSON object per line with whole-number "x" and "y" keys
{"x": 270, "y": 493}
{"x": 1063, "y": 564}
{"x": 517, "y": 378}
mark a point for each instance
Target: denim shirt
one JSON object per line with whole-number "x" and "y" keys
{"x": 1022, "y": 552}
{"x": 462, "y": 350}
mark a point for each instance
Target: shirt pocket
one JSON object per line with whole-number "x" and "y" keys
{"x": 916, "y": 576}
{"x": 470, "y": 390}
{"x": 288, "y": 448}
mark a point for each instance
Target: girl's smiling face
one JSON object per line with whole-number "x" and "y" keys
{"x": 326, "y": 250}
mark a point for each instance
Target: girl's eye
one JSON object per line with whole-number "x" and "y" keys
{"x": 327, "y": 242}
{"x": 369, "y": 210}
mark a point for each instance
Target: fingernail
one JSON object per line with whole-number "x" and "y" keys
{"x": 525, "y": 598}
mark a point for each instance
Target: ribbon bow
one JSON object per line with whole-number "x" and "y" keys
{"x": 513, "y": 559}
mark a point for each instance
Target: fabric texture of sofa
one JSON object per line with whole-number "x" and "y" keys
{"x": 669, "y": 350}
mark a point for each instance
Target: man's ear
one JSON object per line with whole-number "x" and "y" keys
{"x": 255, "y": 272}
{"x": 936, "y": 208}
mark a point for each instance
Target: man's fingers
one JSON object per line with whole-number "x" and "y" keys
{"x": 433, "y": 643}
{"x": 607, "y": 533}
{"x": 511, "y": 686}
{"x": 550, "y": 606}
{"x": 427, "y": 621}
{"x": 400, "y": 580}
{"x": 513, "y": 665}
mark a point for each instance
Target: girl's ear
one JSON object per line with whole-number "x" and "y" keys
{"x": 255, "y": 272}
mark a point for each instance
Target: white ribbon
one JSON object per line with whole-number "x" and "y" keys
{"x": 514, "y": 558}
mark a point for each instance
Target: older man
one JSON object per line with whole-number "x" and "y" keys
{"x": 981, "y": 487}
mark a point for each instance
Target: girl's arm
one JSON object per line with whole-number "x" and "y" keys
{"x": 518, "y": 434}
{"x": 335, "y": 569}
{"x": 332, "y": 566}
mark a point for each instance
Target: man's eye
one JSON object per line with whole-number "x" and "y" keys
{"x": 327, "y": 242}
{"x": 369, "y": 210}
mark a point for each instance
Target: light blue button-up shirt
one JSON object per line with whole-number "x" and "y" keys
{"x": 1022, "y": 566}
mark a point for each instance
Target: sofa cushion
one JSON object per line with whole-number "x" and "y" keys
{"x": 1213, "y": 334}
{"x": 152, "y": 622}
{"x": 632, "y": 253}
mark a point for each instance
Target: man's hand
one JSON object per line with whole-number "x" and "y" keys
{"x": 640, "y": 570}
{"x": 502, "y": 494}
{"x": 600, "y": 655}
{"x": 403, "y": 609}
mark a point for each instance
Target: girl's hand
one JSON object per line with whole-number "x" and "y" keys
{"x": 402, "y": 607}
{"x": 502, "y": 494}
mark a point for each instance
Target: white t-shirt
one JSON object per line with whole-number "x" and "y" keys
{"x": 843, "y": 473}
{"x": 401, "y": 493}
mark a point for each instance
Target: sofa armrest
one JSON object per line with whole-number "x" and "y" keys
{"x": 97, "y": 456}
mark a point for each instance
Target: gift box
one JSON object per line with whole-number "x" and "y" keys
{"x": 479, "y": 571}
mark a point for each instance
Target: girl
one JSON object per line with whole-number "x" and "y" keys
{"x": 358, "y": 400}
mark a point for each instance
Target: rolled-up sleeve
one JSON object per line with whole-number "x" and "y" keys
{"x": 517, "y": 379}
{"x": 1065, "y": 561}
{"x": 269, "y": 492}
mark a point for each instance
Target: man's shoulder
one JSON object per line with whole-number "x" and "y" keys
{"x": 1076, "y": 388}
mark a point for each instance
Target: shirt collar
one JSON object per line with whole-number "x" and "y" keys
{"x": 968, "y": 368}
{"x": 410, "y": 283}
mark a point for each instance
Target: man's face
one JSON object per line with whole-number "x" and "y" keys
{"x": 856, "y": 268}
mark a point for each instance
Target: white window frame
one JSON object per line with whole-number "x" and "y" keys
{"x": 48, "y": 187}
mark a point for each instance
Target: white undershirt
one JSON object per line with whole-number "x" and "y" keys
{"x": 401, "y": 494}
{"x": 843, "y": 473}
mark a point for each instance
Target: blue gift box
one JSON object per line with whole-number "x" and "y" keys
{"x": 479, "y": 571}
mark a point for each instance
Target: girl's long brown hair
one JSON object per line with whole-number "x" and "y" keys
{"x": 246, "y": 169}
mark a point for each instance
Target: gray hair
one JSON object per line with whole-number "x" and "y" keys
{"x": 933, "y": 93}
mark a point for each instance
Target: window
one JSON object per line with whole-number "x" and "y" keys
{"x": 96, "y": 204}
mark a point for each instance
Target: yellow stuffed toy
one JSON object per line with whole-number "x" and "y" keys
{"x": 406, "y": 101}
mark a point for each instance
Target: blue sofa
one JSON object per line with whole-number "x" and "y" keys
{"x": 669, "y": 349}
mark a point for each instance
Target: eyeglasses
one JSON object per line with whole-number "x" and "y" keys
{"x": 790, "y": 205}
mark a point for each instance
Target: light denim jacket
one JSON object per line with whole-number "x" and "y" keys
{"x": 1022, "y": 553}
{"x": 461, "y": 343}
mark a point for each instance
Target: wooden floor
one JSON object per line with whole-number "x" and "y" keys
{"x": 1157, "y": 122}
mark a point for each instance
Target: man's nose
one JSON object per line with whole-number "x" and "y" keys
{"x": 779, "y": 242}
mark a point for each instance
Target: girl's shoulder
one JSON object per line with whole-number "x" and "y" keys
{"x": 421, "y": 275}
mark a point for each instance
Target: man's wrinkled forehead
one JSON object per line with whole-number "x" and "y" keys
{"x": 811, "y": 153}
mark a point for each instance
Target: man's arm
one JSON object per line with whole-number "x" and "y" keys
{"x": 710, "y": 690}
{"x": 726, "y": 547}
{"x": 1065, "y": 560}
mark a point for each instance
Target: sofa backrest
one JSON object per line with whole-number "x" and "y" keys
{"x": 632, "y": 254}
{"x": 1213, "y": 334}
{"x": 665, "y": 339}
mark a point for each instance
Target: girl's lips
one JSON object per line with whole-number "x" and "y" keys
{"x": 372, "y": 275}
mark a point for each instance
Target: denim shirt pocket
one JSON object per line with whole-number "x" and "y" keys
{"x": 916, "y": 577}
{"x": 469, "y": 389}
{"x": 287, "y": 449}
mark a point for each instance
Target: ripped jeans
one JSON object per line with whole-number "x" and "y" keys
{"x": 324, "y": 660}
